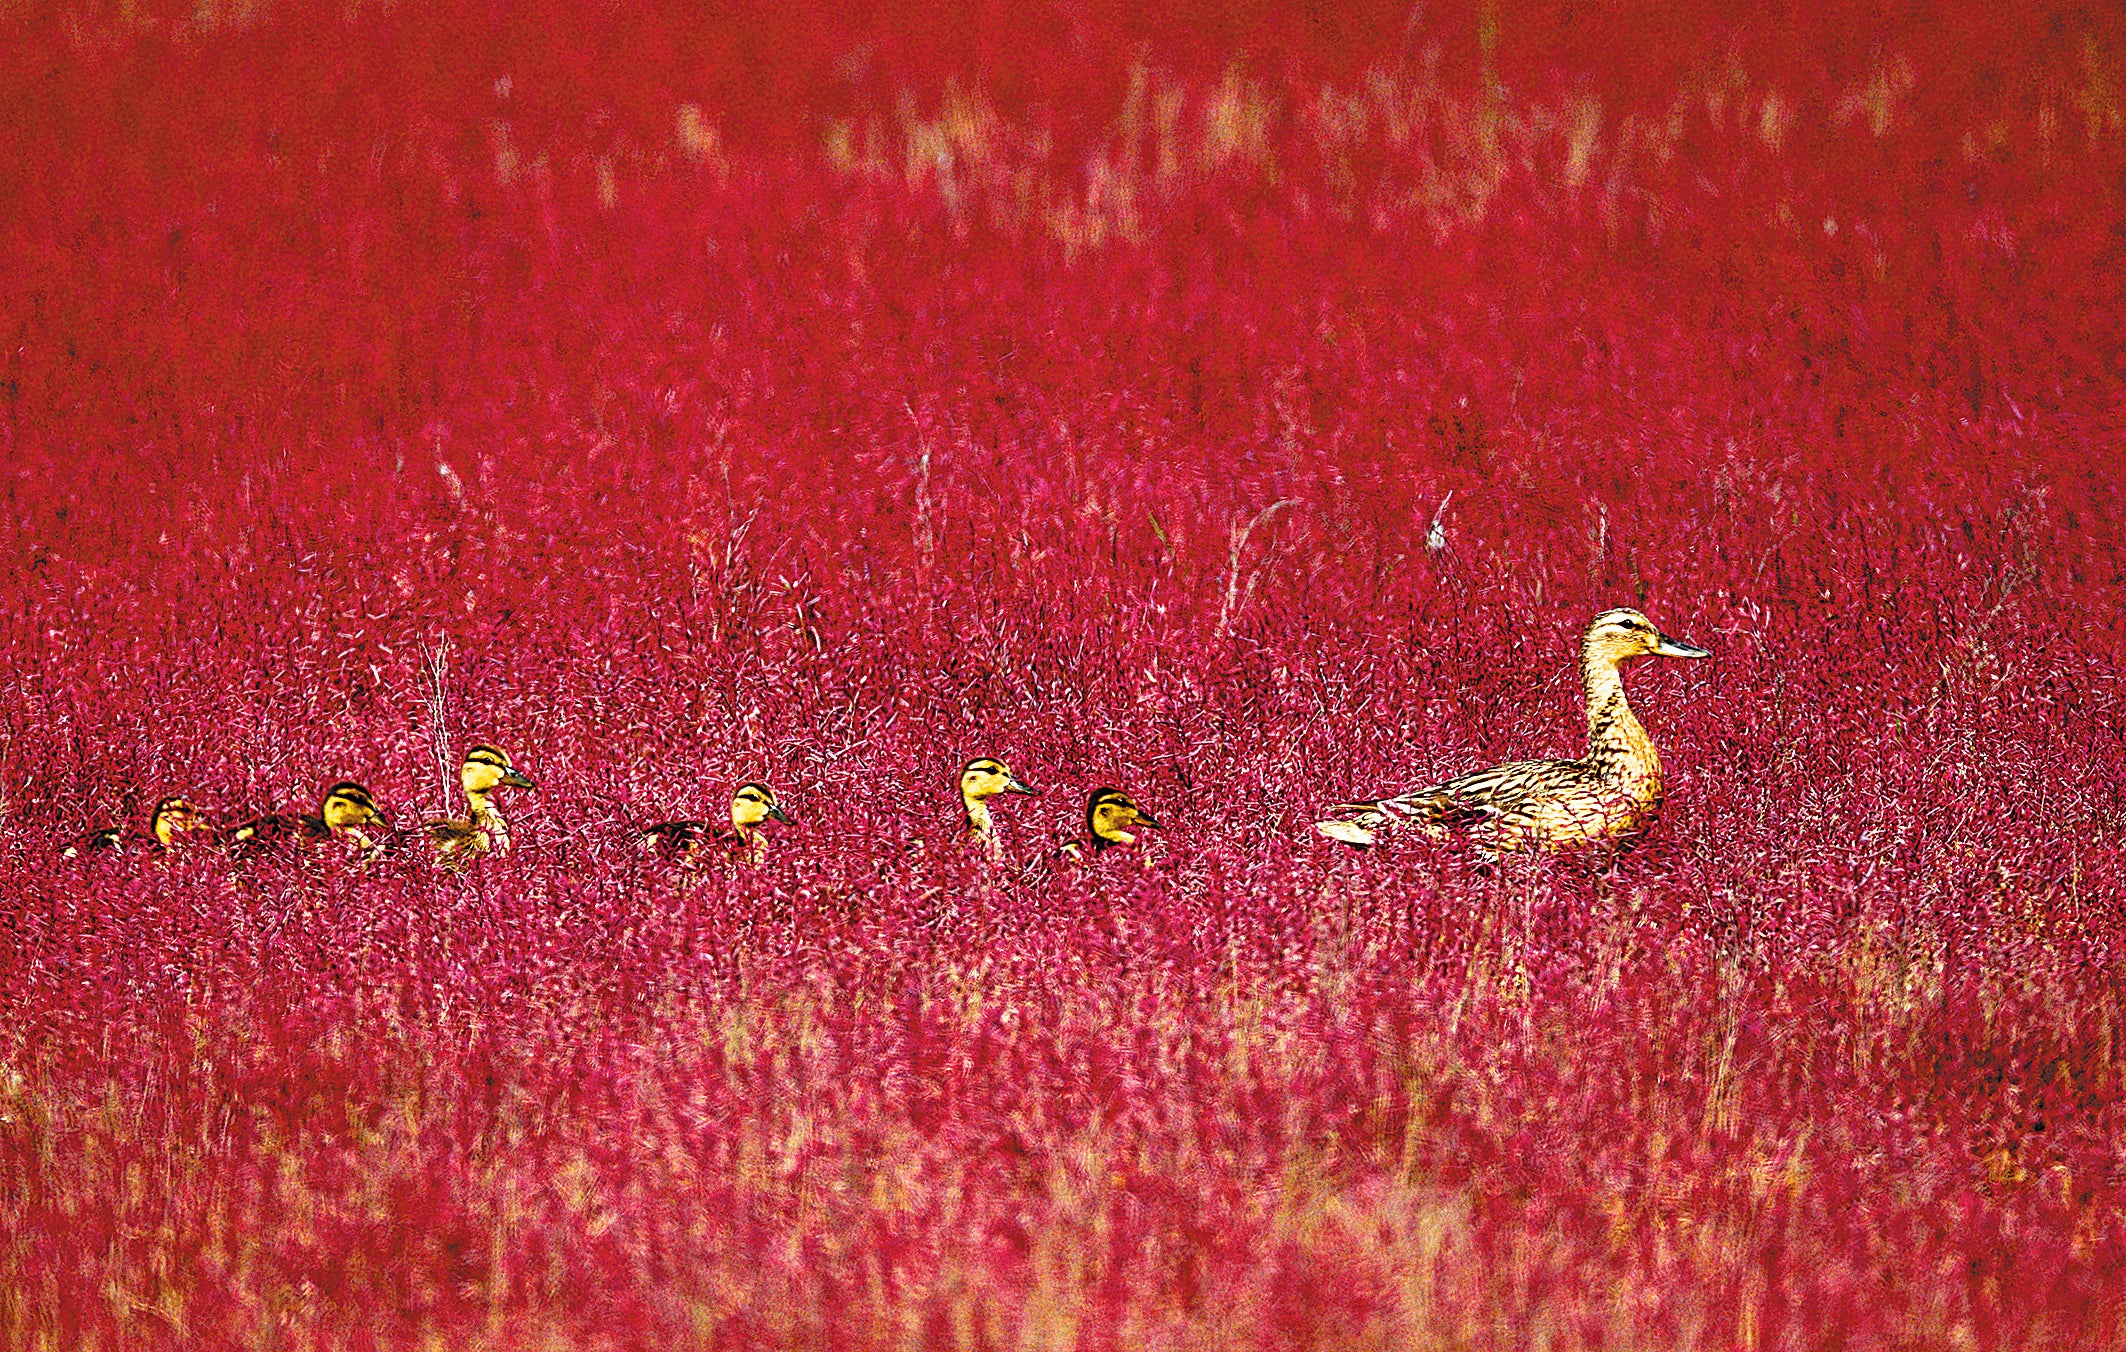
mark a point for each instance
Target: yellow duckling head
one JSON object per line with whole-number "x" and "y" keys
{"x": 350, "y": 810}
{"x": 1617, "y": 636}
{"x": 175, "y": 818}
{"x": 985, "y": 777}
{"x": 753, "y": 804}
{"x": 486, "y": 769}
{"x": 1111, "y": 818}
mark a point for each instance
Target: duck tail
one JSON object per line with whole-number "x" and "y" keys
{"x": 1353, "y": 823}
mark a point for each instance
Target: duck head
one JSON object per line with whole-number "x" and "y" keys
{"x": 175, "y": 818}
{"x": 1111, "y": 818}
{"x": 985, "y": 777}
{"x": 1617, "y": 636}
{"x": 753, "y": 804}
{"x": 486, "y": 769}
{"x": 349, "y": 808}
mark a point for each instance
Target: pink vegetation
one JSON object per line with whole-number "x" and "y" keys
{"x": 1247, "y": 411}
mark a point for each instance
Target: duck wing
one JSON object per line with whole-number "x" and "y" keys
{"x": 1500, "y": 801}
{"x": 456, "y": 843}
{"x": 691, "y": 843}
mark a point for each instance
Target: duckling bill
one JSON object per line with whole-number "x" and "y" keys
{"x": 1613, "y": 791}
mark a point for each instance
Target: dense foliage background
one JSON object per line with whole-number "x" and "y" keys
{"x": 1244, "y": 406}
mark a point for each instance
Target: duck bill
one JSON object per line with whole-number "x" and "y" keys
{"x": 517, "y": 780}
{"x": 779, "y": 815}
{"x": 1676, "y": 647}
{"x": 1146, "y": 819}
{"x": 1018, "y": 785}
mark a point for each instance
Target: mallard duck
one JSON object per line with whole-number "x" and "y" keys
{"x": 982, "y": 779}
{"x": 742, "y": 840}
{"x": 483, "y": 829}
{"x": 1111, "y": 819}
{"x": 170, "y": 821}
{"x": 347, "y": 813}
{"x": 1614, "y": 790}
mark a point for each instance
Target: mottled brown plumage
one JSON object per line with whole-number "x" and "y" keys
{"x": 1614, "y": 790}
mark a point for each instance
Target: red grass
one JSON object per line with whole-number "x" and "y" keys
{"x": 829, "y": 403}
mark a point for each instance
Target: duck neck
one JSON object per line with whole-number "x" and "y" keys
{"x": 488, "y": 819}
{"x": 1617, "y": 746}
{"x": 981, "y": 828}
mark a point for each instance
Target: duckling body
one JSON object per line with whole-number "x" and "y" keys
{"x": 981, "y": 779}
{"x": 742, "y": 840}
{"x": 483, "y": 829}
{"x": 347, "y": 814}
{"x": 102, "y": 840}
{"x": 1614, "y": 790}
{"x": 1112, "y": 819}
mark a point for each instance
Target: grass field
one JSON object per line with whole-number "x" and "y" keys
{"x": 1246, "y": 408}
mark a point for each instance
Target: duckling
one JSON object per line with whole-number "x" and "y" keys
{"x": 743, "y": 840}
{"x": 174, "y": 819}
{"x": 482, "y": 830}
{"x": 347, "y": 813}
{"x": 1111, "y": 818}
{"x": 169, "y": 822}
{"x": 102, "y": 840}
{"x": 983, "y": 779}
{"x": 1612, "y": 791}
